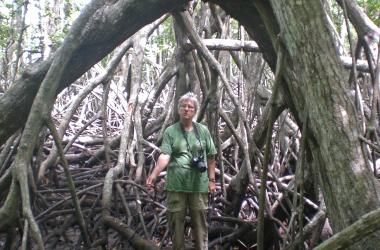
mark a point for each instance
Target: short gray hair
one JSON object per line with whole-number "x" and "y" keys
{"x": 189, "y": 96}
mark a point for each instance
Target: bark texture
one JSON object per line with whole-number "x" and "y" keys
{"x": 315, "y": 85}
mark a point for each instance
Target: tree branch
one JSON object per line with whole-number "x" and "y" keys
{"x": 366, "y": 225}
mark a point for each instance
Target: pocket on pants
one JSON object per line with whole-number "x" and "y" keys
{"x": 176, "y": 201}
{"x": 198, "y": 201}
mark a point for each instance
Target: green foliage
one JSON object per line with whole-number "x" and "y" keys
{"x": 6, "y": 12}
{"x": 235, "y": 26}
{"x": 68, "y": 9}
{"x": 372, "y": 8}
{"x": 5, "y": 32}
{"x": 164, "y": 41}
{"x": 62, "y": 24}
{"x": 337, "y": 16}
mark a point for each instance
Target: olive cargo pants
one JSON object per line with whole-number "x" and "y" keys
{"x": 196, "y": 203}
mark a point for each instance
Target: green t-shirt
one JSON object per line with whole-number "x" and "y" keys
{"x": 181, "y": 176}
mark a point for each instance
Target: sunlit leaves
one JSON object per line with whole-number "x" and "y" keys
{"x": 372, "y": 8}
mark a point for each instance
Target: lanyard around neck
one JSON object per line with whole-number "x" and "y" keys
{"x": 196, "y": 135}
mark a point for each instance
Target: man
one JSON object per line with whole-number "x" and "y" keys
{"x": 185, "y": 148}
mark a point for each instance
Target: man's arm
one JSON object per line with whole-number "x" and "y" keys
{"x": 162, "y": 162}
{"x": 211, "y": 173}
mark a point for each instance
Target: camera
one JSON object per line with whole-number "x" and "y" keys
{"x": 199, "y": 163}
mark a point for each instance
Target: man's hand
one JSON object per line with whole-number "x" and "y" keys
{"x": 211, "y": 186}
{"x": 162, "y": 162}
{"x": 150, "y": 181}
{"x": 211, "y": 173}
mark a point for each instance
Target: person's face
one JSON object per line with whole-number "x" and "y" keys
{"x": 186, "y": 110}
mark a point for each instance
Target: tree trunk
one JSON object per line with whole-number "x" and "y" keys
{"x": 316, "y": 86}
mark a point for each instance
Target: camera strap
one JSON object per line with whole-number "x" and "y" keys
{"x": 196, "y": 135}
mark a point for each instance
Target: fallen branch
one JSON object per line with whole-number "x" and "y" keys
{"x": 70, "y": 183}
{"x": 366, "y": 225}
{"x": 251, "y": 46}
{"x": 136, "y": 241}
